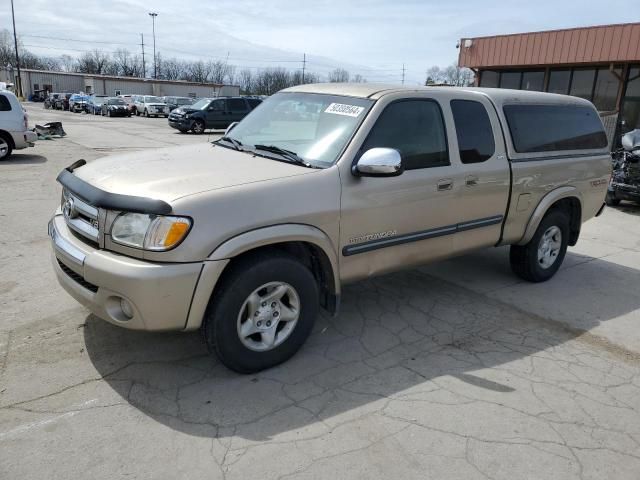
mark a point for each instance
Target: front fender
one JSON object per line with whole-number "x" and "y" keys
{"x": 542, "y": 208}
{"x": 290, "y": 232}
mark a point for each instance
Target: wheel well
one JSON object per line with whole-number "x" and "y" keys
{"x": 312, "y": 256}
{"x": 573, "y": 208}
{"x": 7, "y": 136}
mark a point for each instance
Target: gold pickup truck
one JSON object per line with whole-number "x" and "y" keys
{"x": 322, "y": 185}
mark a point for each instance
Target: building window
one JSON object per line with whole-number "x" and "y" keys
{"x": 510, "y": 80}
{"x": 607, "y": 88}
{"x": 582, "y": 83}
{"x": 631, "y": 107}
{"x": 489, "y": 78}
{"x": 559, "y": 81}
{"x": 533, "y": 80}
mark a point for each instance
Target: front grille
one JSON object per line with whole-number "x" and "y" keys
{"x": 77, "y": 278}
{"x": 80, "y": 217}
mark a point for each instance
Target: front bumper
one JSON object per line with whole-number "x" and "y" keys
{"x": 622, "y": 191}
{"x": 160, "y": 294}
{"x": 180, "y": 123}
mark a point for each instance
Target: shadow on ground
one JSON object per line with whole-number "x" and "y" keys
{"x": 23, "y": 159}
{"x": 394, "y": 335}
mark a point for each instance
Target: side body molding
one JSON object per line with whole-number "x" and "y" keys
{"x": 546, "y": 202}
{"x": 290, "y": 232}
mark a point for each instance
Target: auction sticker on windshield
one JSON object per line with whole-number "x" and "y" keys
{"x": 342, "y": 109}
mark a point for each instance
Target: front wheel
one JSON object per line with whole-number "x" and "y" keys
{"x": 540, "y": 259}
{"x": 262, "y": 313}
{"x": 198, "y": 126}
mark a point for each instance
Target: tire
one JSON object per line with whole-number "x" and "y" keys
{"x": 146, "y": 113}
{"x": 229, "y": 309}
{"x": 108, "y": 113}
{"x": 611, "y": 199}
{"x": 198, "y": 126}
{"x": 526, "y": 261}
{"x": 137, "y": 113}
{"x": 6, "y": 147}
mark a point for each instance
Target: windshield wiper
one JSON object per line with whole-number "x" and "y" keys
{"x": 237, "y": 144}
{"x": 293, "y": 157}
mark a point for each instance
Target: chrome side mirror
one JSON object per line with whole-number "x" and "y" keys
{"x": 379, "y": 162}
{"x": 230, "y": 127}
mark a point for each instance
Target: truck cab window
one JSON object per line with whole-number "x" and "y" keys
{"x": 474, "y": 132}
{"x": 416, "y": 129}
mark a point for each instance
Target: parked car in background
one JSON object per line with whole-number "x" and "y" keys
{"x": 211, "y": 113}
{"x": 129, "y": 100}
{"x": 14, "y": 125}
{"x": 249, "y": 239}
{"x": 151, "y": 106}
{"x": 115, "y": 107}
{"x": 78, "y": 103}
{"x": 62, "y": 102}
{"x": 625, "y": 179}
{"x": 94, "y": 104}
{"x": 50, "y": 101}
{"x": 175, "y": 102}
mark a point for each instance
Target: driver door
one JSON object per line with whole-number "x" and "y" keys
{"x": 216, "y": 114}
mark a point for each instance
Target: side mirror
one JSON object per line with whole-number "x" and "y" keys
{"x": 379, "y": 162}
{"x": 230, "y": 127}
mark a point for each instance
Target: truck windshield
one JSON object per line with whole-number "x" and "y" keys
{"x": 316, "y": 127}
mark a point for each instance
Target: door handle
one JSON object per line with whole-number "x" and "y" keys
{"x": 445, "y": 184}
{"x": 471, "y": 180}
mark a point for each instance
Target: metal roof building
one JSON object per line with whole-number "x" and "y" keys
{"x": 600, "y": 63}
{"x": 33, "y": 80}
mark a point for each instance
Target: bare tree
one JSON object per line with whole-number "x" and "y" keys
{"x": 339, "y": 75}
{"x": 173, "y": 69}
{"x": 357, "y": 78}
{"x": 67, "y": 63}
{"x": 198, "y": 71}
{"x": 451, "y": 75}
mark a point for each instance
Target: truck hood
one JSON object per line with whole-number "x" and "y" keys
{"x": 171, "y": 173}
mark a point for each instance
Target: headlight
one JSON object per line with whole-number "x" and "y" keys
{"x": 149, "y": 232}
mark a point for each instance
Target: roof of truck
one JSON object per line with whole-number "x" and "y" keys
{"x": 377, "y": 90}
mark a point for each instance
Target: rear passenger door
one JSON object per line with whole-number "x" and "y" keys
{"x": 237, "y": 108}
{"x": 482, "y": 198}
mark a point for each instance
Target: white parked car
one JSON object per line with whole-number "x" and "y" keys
{"x": 14, "y": 125}
{"x": 151, "y": 106}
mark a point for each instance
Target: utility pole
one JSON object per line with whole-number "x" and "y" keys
{"x": 403, "y": 70}
{"x": 144, "y": 68}
{"x": 153, "y": 16}
{"x": 304, "y": 65}
{"x": 15, "y": 41}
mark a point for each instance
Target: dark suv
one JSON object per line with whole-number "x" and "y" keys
{"x": 211, "y": 113}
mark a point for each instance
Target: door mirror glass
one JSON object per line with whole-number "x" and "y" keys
{"x": 379, "y": 162}
{"x": 230, "y": 127}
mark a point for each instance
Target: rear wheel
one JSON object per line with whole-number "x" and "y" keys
{"x": 262, "y": 313}
{"x": 198, "y": 126}
{"x": 540, "y": 259}
{"x": 6, "y": 147}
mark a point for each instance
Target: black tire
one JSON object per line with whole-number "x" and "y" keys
{"x": 198, "y": 126}
{"x": 137, "y": 113}
{"x": 524, "y": 258}
{"x": 220, "y": 326}
{"x": 611, "y": 199}
{"x": 146, "y": 113}
{"x": 7, "y": 143}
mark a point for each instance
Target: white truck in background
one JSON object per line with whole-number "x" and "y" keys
{"x": 14, "y": 125}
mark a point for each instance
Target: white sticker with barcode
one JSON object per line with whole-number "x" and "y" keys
{"x": 342, "y": 109}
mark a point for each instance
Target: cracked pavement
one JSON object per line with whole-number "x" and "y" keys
{"x": 454, "y": 370}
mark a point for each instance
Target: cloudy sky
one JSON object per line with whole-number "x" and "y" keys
{"x": 373, "y": 38}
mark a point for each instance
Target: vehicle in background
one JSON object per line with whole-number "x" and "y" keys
{"x": 175, "y": 102}
{"x": 151, "y": 106}
{"x": 129, "y": 100}
{"x": 211, "y": 113}
{"x": 14, "y": 125}
{"x": 50, "y": 101}
{"x": 78, "y": 103}
{"x": 625, "y": 179}
{"x": 115, "y": 107}
{"x": 94, "y": 104}
{"x": 62, "y": 102}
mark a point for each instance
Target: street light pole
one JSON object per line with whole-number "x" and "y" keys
{"x": 15, "y": 40}
{"x": 153, "y": 16}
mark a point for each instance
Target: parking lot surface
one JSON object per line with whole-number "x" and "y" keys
{"x": 454, "y": 370}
